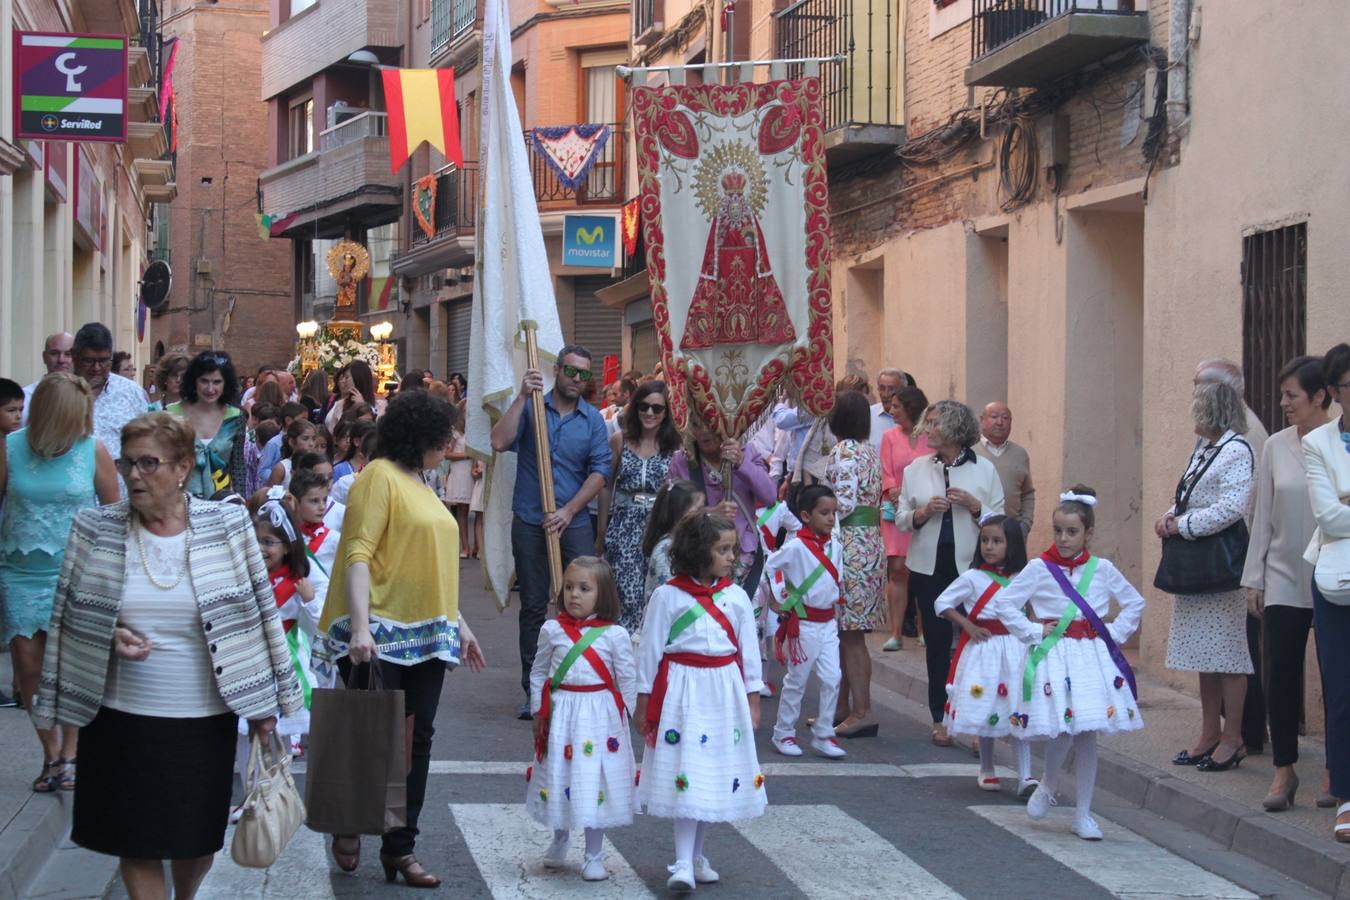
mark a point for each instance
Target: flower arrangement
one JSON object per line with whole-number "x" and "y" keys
{"x": 336, "y": 350}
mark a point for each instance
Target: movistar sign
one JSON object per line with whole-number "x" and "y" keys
{"x": 591, "y": 241}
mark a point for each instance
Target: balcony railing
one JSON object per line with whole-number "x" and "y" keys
{"x": 644, "y": 16}
{"x": 362, "y": 125}
{"x": 863, "y": 89}
{"x": 449, "y": 19}
{"x": 637, "y": 263}
{"x": 996, "y": 22}
{"x": 456, "y": 204}
{"x": 603, "y": 184}
{"x": 466, "y": 13}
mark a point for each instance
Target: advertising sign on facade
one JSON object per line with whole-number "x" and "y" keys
{"x": 70, "y": 87}
{"x": 591, "y": 241}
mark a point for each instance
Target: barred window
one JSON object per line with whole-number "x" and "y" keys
{"x": 1274, "y": 313}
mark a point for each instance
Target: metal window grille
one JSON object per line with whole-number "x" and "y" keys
{"x": 466, "y": 13}
{"x": 1274, "y": 313}
{"x": 440, "y": 24}
{"x": 998, "y": 21}
{"x": 861, "y": 90}
{"x": 644, "y": 16}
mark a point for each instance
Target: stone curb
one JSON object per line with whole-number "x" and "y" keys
{"x": 1252, "y": 833}
{"x": 30, "y": 839}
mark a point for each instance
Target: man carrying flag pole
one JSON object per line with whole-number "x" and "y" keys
{"x": 513, "y": 290}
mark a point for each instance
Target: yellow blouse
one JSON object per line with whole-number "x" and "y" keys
{"x": 400, "y": 528}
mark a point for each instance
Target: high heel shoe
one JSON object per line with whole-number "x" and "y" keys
{"x": 1282, "y": 801}
{"x": 347, "y": 859}
{"x": 1185, "y": 757}
{"x": 411, "y": 870}
{"x": 858, "y": 730}
{"x": 1232, "y": 762}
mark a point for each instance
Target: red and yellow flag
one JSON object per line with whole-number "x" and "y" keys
{"x": 421, "y": 106}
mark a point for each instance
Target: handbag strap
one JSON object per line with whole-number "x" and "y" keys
{"x": 1185, "y": 489}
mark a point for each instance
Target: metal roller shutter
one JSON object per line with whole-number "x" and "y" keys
{"x": 458, "y": 319}
{"x": 595, "y": 326}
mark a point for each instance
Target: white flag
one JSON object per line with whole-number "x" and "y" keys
{"x": 513, "y": 285}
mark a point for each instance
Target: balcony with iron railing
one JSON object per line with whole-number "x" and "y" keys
{"x": 861, "y": 92}
{"x": 603, "y": 184}
{"x": 647, "y": 24}
{"x": 347, "y": 179}
{"x": 1024, "y": 43}
{"x": 451, "y": 241}
{"x": 453, "y": 35}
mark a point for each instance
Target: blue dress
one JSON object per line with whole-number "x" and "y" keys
{"x": 41, "y": 500}
{"x": 634, "y": 492}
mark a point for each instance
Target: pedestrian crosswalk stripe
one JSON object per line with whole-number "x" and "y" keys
{"x": 775, "y": 770}
{"x": 832, "y": 769}
{"x": 300, "y": 874}
{"x": 476, "y": 767}
{"x": 506, "y": 845}
{"x": 951, "y": 770}
{"x": 828, "y": 854}
{"x": 1124, "y": 864}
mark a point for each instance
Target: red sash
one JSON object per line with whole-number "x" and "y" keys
{"x": 572, "y": 628}
{"x": 283, "y": 588}
{"x": 315, "y": 532}
{"x": 816, "y": 544}
{"x": 703, "y": 596}
{"x": 974, "y": 615}
{"x": 1080, "y": 629}
{"x": 787, "y": 643}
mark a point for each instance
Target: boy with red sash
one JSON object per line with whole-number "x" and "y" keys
{"x": 581, "y": 688}
{"x": 1076, "y": 682}
{"x": 698, "y": 696}
{"x": 804, "y": 573}
{"x": 772, "y": 522}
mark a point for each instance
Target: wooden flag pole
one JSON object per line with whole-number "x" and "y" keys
{"x": 543, "y": 456}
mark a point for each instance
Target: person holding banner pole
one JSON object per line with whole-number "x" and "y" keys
{"x": 576, "y": 442}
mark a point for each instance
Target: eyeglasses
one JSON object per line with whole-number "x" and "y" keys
{"x": 270, "y": 542}
{"x": 146, "y": 465}
{"x": 574, "y": 372}
{"x": 651, "y": 407}
{"x": 95, "y": 362}
{"x": 218, "y": 359}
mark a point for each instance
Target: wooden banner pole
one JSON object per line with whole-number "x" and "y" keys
{"x": 544, "y": 457}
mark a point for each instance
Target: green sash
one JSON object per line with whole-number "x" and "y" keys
{"x": 587, "y": 638}
{"x": 687, "y": 618}
{"x": 296, "y": 641}
{"x": 1042, "y": 650}
{"x": 862, "y": 517}
{"x": 793, "y": 602}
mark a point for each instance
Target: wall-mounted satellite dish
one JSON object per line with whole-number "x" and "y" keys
{"x": 155, "y": 285}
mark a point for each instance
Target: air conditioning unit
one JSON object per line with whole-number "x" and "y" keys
{"x": 340, "y": 112}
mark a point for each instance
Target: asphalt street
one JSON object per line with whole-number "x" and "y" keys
{"x": 898, "y": 818}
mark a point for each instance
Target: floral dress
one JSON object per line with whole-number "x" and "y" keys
{"x": 854, "y": 473}
{"x": 634, "y": 492}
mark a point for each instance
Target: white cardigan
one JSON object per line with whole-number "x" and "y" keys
{"x": 1328, "y": 486}
{"x": 922, "y": 482}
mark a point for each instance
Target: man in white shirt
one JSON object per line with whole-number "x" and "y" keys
{"x": 57, "y": 356}
{"x": 889, "y": 382}
{"x": 117, "y": 400}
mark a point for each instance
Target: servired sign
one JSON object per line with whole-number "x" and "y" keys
{"x": 70, "y": 87}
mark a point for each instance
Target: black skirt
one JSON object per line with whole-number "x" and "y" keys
{"x": 154, "y": 788}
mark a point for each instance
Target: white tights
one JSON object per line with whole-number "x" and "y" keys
{"x": 1021, "y": 748}
{"x": 689, "y": 840}
{"x": 1084, "y": 766}
{"x": 595, "y": 839}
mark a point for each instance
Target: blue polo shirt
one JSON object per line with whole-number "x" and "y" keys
{"x": 579, "y": 443}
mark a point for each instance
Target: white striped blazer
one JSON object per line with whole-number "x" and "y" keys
{"x": 240, "y": 625}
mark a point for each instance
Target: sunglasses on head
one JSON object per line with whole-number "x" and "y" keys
{"x": 574, "y": 372}
{"x": 645, "y": 407}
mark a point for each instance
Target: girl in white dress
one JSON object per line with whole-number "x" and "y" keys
{"x": 581, "y": 689}
{"x": 986, "y": 670}
{"x": 1076, "y": 682}
{"x": 695, "y": 707}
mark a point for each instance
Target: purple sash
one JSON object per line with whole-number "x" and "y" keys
{"x": 1097, "y": 625}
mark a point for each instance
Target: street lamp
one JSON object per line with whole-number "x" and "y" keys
{"x": 308, "y": 348}
{"x": 388, "y": 364}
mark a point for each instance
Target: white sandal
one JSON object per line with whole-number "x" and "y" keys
{"x": 1342, "y": 829}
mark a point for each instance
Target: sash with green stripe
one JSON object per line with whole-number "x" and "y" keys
{"x": 1042, "y": 650}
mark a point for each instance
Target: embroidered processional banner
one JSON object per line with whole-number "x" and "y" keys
{"x": 736, "y": 216}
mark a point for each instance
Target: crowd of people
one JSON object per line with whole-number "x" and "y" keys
{"x": 181, "y": 565}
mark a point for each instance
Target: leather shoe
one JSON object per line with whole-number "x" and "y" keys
{"x": 411, "y": 870}
{"x": 1184, "y": 758}
{"x": 347, "y": 851}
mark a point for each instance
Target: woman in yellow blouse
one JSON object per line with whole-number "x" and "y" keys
{"x": 394, "y": 598}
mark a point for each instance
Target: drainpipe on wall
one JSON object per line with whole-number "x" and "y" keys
{"x": 1178, "y": 60}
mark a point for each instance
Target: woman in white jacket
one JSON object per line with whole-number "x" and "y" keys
{"x": 943, "y": 496}
{"x": 1327, "y": 453}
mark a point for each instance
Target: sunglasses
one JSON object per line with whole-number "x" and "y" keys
{"x": 574, "y": 372}
{"x": 146, "y": 465}
{"x": 651, "y": 407}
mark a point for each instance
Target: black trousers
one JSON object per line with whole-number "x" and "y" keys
{"x": 530, "y": 549}
{"x": 1286, "y": 645}
{"x": 1254, "y": 707}
{"x": 937, "y": 632}
{"x": 421, "y": 686}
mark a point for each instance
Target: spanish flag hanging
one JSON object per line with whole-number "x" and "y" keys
{"x": 421, "y": 107}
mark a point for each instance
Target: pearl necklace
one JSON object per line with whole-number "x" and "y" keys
{"x": 145, "y": 562}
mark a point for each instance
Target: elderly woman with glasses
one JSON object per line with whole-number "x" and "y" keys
{"x": 49, "y": 471}
{"x": 164, "y": 632}
{"x": 210, "y": 390}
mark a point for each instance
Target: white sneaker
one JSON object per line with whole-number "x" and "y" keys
{"x": 704, "y": 873}
{"x": 988, "y": 782}
{"x": 681, "y": 879}
{"x": 1038, "y": 805}
{"x": 1086, "y": 828}
{"x": 767, "y": 690}
{"x": 594, "y": 868}
{"x": 787, "y": 746}
{"x": 1026, "y": 788}
{"x": 828, "y": 747}
{"x": 555, "y": 857}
